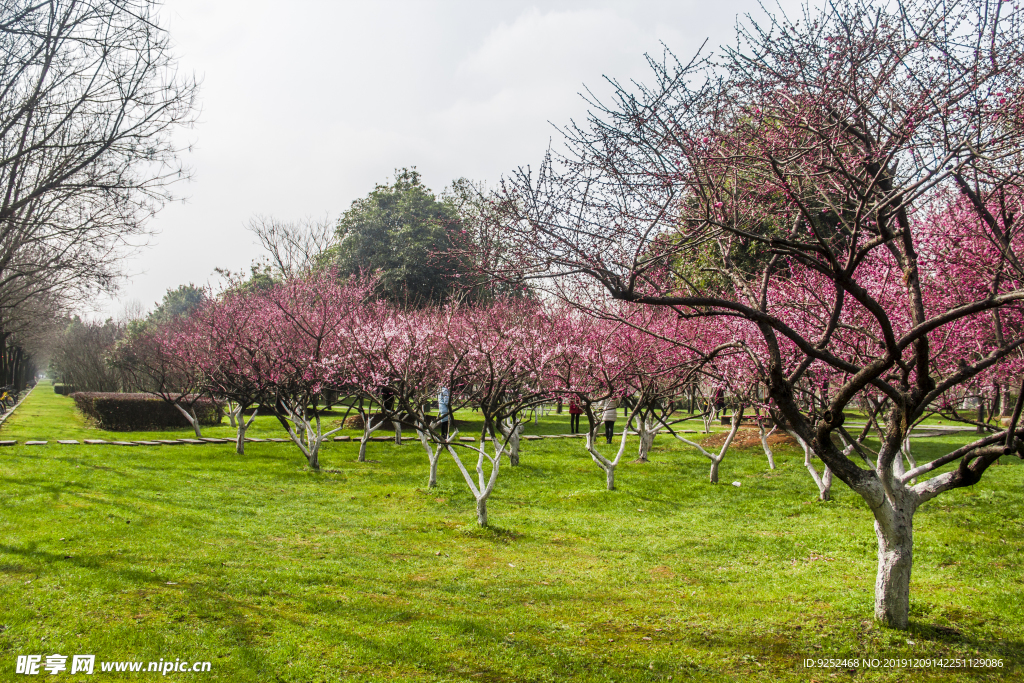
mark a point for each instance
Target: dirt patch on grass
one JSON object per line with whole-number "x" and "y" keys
{"x": 662, "y": 572}
{"x": 748, "y": 437}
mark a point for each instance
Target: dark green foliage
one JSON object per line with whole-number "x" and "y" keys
{"x": 63, "y": 389}
{"x": 406, "y": 236}
{"x": 178, "y": 302}
{"x": 133, "y": 412}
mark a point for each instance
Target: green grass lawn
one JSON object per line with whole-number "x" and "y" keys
{"x": 358, "y": 573}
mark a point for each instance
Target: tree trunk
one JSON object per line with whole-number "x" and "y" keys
{"x": 894, "y": 529}
{"x": 647, "y": 430}
{"x": 764, "y": 444}
{"x": 481, "y": 511}
{"x": 240, "y": 437}
{"x": 825, "y": 490}
{"x": 714, "y": 470}
{"x": 432, "y": 484}
{"x": 511, "y": 435}
{"x": 190, "y": 417}
{"x": 368, "y": 429}
{"x": 823, "y": 482}
{"x": 398, "y": 432}
{"x": 610, "y": 477}
{"x": 513, "y": 443}
{"x": 432, "y": 456}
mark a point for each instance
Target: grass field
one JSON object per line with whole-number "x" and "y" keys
{"x": 275, "y": 573}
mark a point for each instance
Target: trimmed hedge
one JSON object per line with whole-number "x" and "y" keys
{"x": 63, "y": 389}
{"x": 134, "y": 412}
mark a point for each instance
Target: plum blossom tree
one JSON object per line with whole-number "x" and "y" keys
{"x": 815, "y": 182}
{"x": 231, "y": 344}
{"x": 588, "y": 367}
{"x": 577, "y": 370}
{"x": 507, "y": 347}
{"x": 730, "y": 376}
{"x": 400, "y": 359}
{"x": 163, "y": 360}
{"x": 661, "y": 354}
{"x": 492, "y": 357}
{"x": 498, "y": 354}
{"x": 308, "y": 354}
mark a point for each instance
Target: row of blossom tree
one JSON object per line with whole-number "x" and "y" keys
{"x": 283, "y": 349}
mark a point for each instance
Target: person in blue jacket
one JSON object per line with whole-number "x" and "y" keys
{"x": 444, "y": 412}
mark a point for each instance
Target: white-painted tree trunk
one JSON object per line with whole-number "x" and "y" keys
{"x": 243, "y": 426}
{"x": 190, "y": 415}
{"x": 822, "y": 481}
{"x": 716, "y": 458}
{"x": 481, "y": 511}
{"x": 648, "y": 427}
{"x": 511, "y": 432}
{"x": 708, "y": 417}
{"x": 233, "y": 409}
{"x": 604, "y": 463}
{"x": 305, "y": 433}
{"x": 484, "y": 485}
{"x": 895, "y": 532}
{"x": 764, "y": 443}
{"x": 433, "y": 455}
{"x": 368, "y": 430}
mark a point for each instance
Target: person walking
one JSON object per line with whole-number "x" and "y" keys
{"x": 611, "y": 411}
{"x": 444, "y": 412}
{"x": 575, "y": 410}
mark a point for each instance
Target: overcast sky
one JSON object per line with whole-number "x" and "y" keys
{"x": 307, "y": 105}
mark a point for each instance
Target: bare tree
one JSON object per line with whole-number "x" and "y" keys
{"x": 89, "y": 99}
{"x": 80, "y": 355}
{"x": 293, "y": 248}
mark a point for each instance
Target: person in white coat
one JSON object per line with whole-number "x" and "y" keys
{"x": 611, "y": 411}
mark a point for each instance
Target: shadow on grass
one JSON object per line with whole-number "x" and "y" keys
{"x": 495, "y": 534}
{"x": 198, "y": 598}
{"x": 1010, "y": 650}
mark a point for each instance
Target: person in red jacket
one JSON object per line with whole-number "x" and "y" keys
{"x": 575, "y": 410}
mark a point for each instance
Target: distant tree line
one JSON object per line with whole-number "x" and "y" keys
{"x": 419, "y": 247}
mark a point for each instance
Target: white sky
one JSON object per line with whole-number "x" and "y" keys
{"x": 307, "y": 105}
